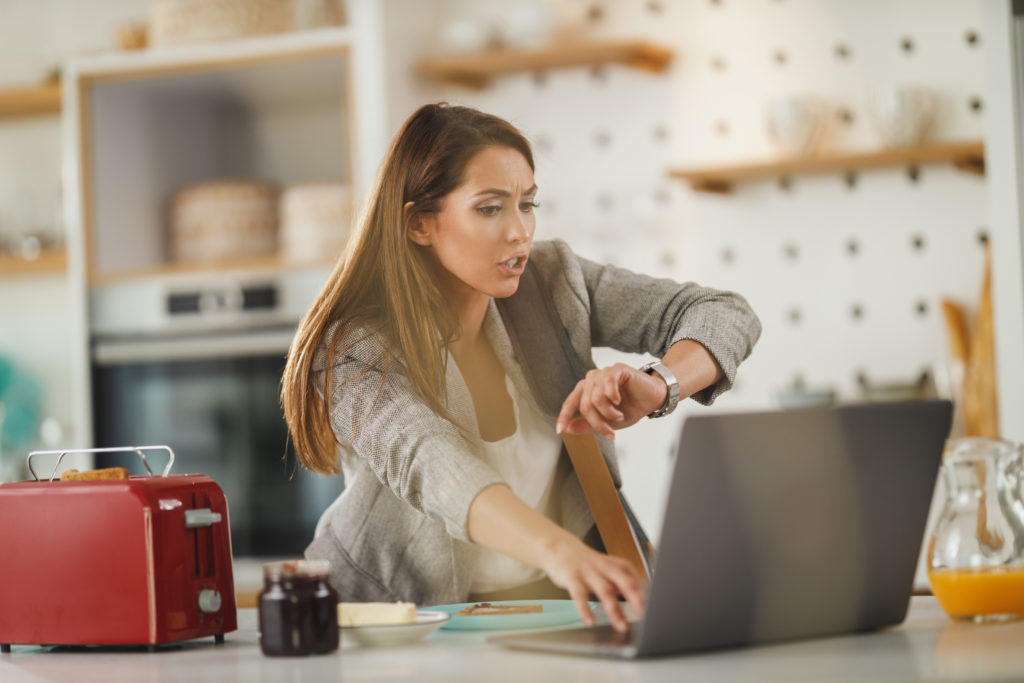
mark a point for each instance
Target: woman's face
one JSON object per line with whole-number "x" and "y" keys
{"x": 482, "y": 235}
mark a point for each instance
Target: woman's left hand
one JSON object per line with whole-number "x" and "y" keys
{"x": 610, "y": 398}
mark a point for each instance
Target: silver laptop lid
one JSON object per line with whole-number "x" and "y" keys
{"x": 791, "y": 524}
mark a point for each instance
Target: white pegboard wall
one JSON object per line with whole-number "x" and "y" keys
{"x": 853, "y": 286}
{"x": 733, "y": 54}
{"x": 847, "y": 272}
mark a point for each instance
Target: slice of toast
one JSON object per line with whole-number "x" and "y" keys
{"x": 487, "y": 609}
{"x": 94, "y": 475}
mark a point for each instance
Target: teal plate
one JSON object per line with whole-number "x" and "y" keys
{"x": 555, "y": 613}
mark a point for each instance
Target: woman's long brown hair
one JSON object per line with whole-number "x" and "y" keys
{"x": 382, "y": 281}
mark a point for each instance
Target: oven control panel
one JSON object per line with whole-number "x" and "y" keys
{"x": 190, "y": 303}
{"x": 231, "y": 299}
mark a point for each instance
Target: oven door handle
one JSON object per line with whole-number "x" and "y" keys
{"x": 251, "y": 343}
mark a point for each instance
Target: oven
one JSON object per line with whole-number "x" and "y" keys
{"x": 196, "y": 363}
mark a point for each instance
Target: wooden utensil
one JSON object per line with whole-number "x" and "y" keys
{"x": 980, "y": 399}
{"x": 957, "y": 327}
{"x": 958, "y": 332}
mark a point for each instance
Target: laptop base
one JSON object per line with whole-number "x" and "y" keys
{"x": 599, "y": 641}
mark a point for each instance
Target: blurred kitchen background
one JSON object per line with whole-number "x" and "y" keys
{"x": 176, "y": 177}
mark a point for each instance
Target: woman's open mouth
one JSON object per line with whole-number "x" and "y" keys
{"x": 515, "y": 265}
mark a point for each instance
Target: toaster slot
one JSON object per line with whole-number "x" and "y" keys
{"x": 201, "y": 520}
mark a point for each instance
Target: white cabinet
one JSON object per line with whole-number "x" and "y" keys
{"x": 299, "y": 107}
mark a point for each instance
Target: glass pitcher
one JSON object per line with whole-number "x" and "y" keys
{"x": 976, "y": 552}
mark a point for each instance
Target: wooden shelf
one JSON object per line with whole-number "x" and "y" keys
{"x": 264, "y": 264}
{"x": 30, "y": 101}
{"x": 49, "y": 261}
{"x": 477, "y": 69}
{"x": 966, "y": 156}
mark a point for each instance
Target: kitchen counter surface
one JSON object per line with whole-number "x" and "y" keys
{"x": 927, "y": 647}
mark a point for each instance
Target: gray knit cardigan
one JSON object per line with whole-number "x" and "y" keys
{"x": 398, "y": 530}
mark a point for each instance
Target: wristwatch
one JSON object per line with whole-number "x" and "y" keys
{"x": 672, "y": 397}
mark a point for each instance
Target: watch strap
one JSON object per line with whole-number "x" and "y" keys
{"x": 672, "y": 397}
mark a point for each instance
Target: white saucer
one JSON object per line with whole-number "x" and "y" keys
{"x": 396, "y": 634}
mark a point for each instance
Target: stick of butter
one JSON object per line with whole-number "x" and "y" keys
{"x": 376, "y": 613}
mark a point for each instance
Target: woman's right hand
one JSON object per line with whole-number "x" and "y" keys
{"x": 581, "y": 570}
{"x": 501, "y": 521}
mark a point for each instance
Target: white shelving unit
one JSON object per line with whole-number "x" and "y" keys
{"x": 288, "y": 108}
{"x": 278, "y": 109}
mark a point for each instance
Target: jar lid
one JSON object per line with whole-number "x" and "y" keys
{"x": 304, "y": 569}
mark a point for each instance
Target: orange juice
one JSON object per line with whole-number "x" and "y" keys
{"x": 991, "y": 592}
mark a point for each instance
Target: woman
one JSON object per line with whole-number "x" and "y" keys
{"x": 455, "y": 488}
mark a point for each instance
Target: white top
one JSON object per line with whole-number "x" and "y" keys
{"x": 526, "y": 460}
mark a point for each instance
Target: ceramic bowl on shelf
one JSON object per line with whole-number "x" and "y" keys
{"x": 795, "y": 123}
{"x": 485, "y": 24}
{"x": 903, "y": 115}
{"x": 798, "y": 397}
{"x": 527, "y": 24}
{"x": 463, "y": 34}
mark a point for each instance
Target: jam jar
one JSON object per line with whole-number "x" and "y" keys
{"x": 298, "y": 609}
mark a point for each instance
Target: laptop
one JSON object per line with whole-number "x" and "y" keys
{"x": 781, "y": 525}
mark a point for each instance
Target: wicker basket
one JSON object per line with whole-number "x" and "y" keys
{"x": 224, "y": 220}
{"x": 315, "y": 220}
{"x": 178, "y": 22}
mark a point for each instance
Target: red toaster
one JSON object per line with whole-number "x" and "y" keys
{"x": 139, "y": 561}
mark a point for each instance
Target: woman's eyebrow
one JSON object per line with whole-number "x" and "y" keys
{"x": 502, "y": 193}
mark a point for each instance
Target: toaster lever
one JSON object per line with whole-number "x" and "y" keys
{"x": 201, "y": 517}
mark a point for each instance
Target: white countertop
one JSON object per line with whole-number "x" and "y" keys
{"x": 927, "y": 647}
